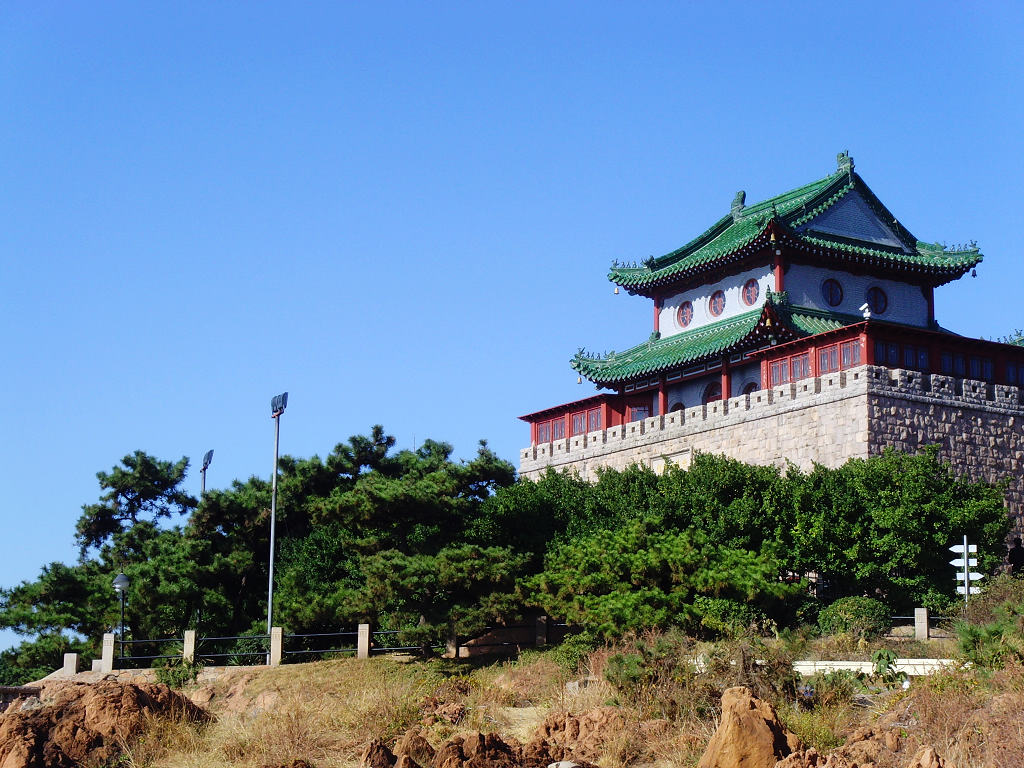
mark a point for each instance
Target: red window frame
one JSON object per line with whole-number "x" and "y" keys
{"x": 593, "y": 419}
{"x": 828, "y": 359}
{"x": 751, "y": 290}
{"x": 716, "y": 304}
{"x": 579, "y": 422}
{"x": 639, "y": 412}
{"x": 849, "y": 354}
{"x": 684, "y": 315}
{"x": 789, "y": 369}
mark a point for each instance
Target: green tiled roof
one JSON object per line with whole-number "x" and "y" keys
{"x": 742, "y": 332}
{"x": 657, "y": 355}
{"x": 746, "y": 229}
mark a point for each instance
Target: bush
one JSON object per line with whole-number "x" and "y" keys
{"x": 996, "y": 643}
{"x": 177, "y": 673}
{"x": 730, "y": 618}
{"x": 862, "y": 617}
{"x": 573, "y": 650}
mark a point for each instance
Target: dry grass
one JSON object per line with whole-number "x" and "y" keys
{"x": 971, "y": 718}
{"x": 326, "y": 712}
{"x": 323, "y": 713}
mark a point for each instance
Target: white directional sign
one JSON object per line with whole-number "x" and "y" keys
{"x": 959, "y": 562}
{"x": 959, "y": 548}
{"x": 974, "y": 590}
{"x": 964, "y": 576}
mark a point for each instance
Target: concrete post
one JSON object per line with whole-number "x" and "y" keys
{"x": 70, "y": 664}
{"x": 276, "y": 642}
{"x": 920, "y": 623}
{"x": 363, "y": 642}
{"x": 542, "y": 632}
{"x": 188, "y": 652}
{"x": 451, "y": 644}
{"x": 97, "y": 665}
{"x": 107, "y": 657}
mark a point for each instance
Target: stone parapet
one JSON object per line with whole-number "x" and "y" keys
{"x": 979, "y": 427}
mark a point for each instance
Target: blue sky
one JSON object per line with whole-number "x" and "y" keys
{"x": 403, "y": 213}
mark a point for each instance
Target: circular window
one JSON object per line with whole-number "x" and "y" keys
{"x": 751, "y": 290}
{"x": 685, "y": 314}
{"x": 716, "y": 305}
{"x": 832, "y": 292}
{"x": 877, "y": 300}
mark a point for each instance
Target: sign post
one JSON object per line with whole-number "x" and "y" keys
{"x": 964, "y": 573}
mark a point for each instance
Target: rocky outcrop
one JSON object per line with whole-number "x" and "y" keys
{"x": 476, "y": 750}
{"x": 749, "y": 735}
{"x": 865, "y": 747}
{"x": 80, "y": 724}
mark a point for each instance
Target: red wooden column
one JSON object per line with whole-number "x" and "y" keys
{"x": 662, "y": 396}
{"x": 657, "y": 314}
{"x": 777, "y": 266}
{"x": 726, "y": 380}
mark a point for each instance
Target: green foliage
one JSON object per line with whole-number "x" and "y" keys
{"x": 177, "y": 673}
{"x": 861, "y": 617}
{"x": 459, "y": 591}
{"x": 574, "y": 650}
{"x": 997, "y": 642}
{"x": 142, "y": 486}
{"x": 640, "y": 576}
{"x": 722, "y": 617}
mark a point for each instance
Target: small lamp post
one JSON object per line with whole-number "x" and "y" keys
{"x": 121, "y": 583}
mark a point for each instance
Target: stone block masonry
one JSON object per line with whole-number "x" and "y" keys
{"x": 828, "y": 420}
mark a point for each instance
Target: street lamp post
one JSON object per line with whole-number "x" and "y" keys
{"x": 206, "y": 463}
{"x": 121, "y": 583}
{"x": 277, "y": 406}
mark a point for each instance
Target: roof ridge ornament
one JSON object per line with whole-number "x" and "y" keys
{"x": 738, "y": 205}
{"x": 844, "y": 162}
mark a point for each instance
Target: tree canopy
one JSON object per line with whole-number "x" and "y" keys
{"x": 418, "y": 542}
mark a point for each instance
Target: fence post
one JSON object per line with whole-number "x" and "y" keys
{"x": 70, "y": 664}
{"x": 363, "y": 642}
{"x": 107, "y": 658}
{"x": 920, "y": 623}
{"x": 276, "y": 640}
{"x": 188, "y": 646}
{"x": 542, "y": 632}
{"x": 451, "y": 643}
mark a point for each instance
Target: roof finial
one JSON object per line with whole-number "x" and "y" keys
{"x": 737, "y": 205}
{"x": 844, "y": 161}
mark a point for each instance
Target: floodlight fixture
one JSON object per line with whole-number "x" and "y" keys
{"x": 202, "y": 473}
{"x": 277, "y": 405}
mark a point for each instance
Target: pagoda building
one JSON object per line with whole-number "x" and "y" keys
{"x": 816, "y": 282}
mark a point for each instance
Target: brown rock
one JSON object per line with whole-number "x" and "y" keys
{"x": 450, "y": 755}
{"x": 414, "y": 746}
{"x": 749, "y": 734}
{"x": 82, "y": 724}
{"x": 927, "y": 757}
{"x": 377, "y": 755}
{"x": 580, "y": 738}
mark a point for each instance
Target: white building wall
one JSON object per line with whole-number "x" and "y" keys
{"x": 907, "y": 304}
{"x": 732, "y": 287}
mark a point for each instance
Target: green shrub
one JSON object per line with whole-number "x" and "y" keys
{"x": 862, "y": 617}
{"x": 177, "y": 673}
{"x": 994, "y": 644}
{"x": 573, "y": 650}
{"x": 722, "y": 617}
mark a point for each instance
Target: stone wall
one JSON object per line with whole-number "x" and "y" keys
{"x": 856, "y": 413}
